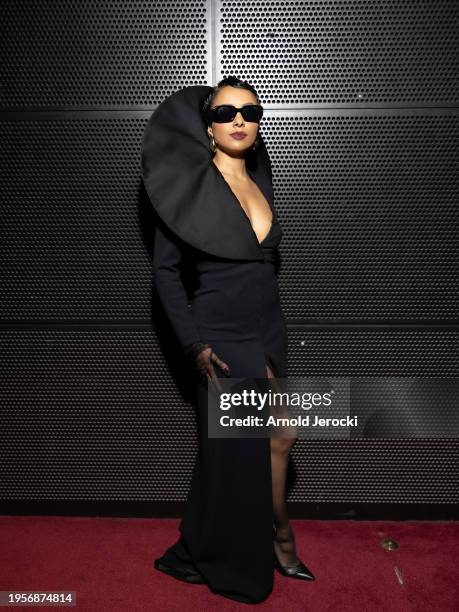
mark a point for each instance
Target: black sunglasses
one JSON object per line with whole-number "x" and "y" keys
{"x": 226, "y": 112}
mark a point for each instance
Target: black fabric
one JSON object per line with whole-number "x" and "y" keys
{"x": 226, "y": 530}
{"x": 167, "y": 260}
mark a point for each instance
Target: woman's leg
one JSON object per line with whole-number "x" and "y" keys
{"x": 284, "y": 542}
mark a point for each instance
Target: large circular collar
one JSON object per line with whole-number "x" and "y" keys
{"x": 186, "y": 188}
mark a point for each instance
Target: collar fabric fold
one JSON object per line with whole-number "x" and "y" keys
{"x": 185, "y": 187}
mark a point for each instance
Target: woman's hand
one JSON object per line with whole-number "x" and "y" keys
{"x": 205, "y": 358}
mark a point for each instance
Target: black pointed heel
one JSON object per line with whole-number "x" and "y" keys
{"x": 299, "y": 571}
{"x": 186, "y": 575}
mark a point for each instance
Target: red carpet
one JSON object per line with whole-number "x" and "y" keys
{"x": 108, "y": 562}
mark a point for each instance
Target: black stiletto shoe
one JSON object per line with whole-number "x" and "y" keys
{"x": 186, "y": 575}
{"x": 299, "y": 571}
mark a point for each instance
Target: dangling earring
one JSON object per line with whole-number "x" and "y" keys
{"x": 213, "y": 145}
{"x": 255, "y": 144}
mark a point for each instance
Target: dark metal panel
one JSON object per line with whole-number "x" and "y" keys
{"x": 369, "y": 202}
{"x": 94, "y": 55}
{"x": 373, "y": 352}
{"x": 94, "y": 415}
{"x": 75, "y": 235}
{"x": 333, "y": 53}
{"x": 375, "y": 471}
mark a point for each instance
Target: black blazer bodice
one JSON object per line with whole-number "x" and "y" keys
{"x": 232, "y": 299}
{"x": 200, "y": 221}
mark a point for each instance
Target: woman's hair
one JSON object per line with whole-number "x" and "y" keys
{"x": 231, "y": 80}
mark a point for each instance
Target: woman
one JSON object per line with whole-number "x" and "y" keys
{"x": 208, "y": 175}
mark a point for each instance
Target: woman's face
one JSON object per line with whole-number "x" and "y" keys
{"x": 222, "y": 131}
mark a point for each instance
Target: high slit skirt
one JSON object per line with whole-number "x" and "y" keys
{"x": 226, "y": 532}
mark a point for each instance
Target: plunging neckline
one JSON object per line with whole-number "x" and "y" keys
{"x": 270, "y": 228}
{"x": 246, "y": 216}
{"x": 260, "y": 242}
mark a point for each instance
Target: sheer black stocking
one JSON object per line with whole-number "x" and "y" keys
{"x": 284, "y": 541}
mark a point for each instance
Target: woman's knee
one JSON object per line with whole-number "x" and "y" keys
{"x": 281, "y": 445}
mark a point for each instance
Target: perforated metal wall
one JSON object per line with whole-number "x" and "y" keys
{"x": 342, "y": 52}
{"x": 361, "y": 123}
{"x": 84, "y": 55}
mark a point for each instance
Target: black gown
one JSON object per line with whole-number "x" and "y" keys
{"x": 226, "y": 532}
